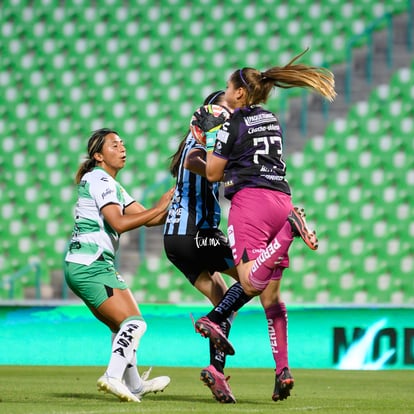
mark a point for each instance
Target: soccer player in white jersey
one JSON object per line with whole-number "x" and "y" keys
{"x": 103, "y": 211}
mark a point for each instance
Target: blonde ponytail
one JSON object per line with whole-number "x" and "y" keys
{"x": 258, "y": 85}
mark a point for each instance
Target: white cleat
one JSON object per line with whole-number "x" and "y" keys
{"x": 152, "y": 385}
{"x": 116, "y": 387}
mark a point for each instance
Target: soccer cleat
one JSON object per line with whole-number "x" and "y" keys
{"x": 300, "y": 228}
{"x": 218, "y": 385}
{"x": 153, "y": 385}
{"x": 211, "y": 330}
{"x": 283, "y": 384}
{"x": 116, "y": 387}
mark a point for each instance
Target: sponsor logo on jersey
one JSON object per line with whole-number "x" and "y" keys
{"x": 273, "y": 177}
{"x": 232, "y": 241}
{"x": 106, "y": 193}
{"x": 174, "y": 216}
{"x": 259, "y": 118}
{"x": 205, "y": 241}
{"x": 264, "y": 128}
{"x": 120, "y": 278}
{"x": 257, "y": 251}
{"x": 267, "y": 169}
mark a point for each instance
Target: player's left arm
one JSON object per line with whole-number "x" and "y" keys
{"x": 195, "y": 161}
{"x": 215, "y": 167}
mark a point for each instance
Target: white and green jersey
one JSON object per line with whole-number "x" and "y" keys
{"x": 91, "y": 235}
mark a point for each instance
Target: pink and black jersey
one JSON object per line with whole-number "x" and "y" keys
{"x": 251, "y": 142}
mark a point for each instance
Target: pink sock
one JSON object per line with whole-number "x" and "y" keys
{"x": 277, "y": 326}
{"x": 265, "y": 264}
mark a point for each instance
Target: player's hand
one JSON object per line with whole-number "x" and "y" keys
{"x": 165, "y": 200}
{"x": 206, "y": 121}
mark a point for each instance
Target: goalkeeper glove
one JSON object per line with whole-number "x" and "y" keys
{"x": 207, "y": 121}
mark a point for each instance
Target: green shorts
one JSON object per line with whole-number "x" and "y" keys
{"x": 94, "y": 283}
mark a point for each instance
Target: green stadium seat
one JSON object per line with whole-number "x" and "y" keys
{"x": 334, "y": 212}
{"x": 51, "y": 251}
{"x": 402, "y": 79}
{"x": 354, "y": 296}
{"x": 144, "y": 68}
{"x": 403, "y": 127}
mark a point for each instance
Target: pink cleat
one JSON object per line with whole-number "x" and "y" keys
{"x": 209, "y": 329}
{"x": 300, "y": 228}
{"x": 218, "y": 385}
{"x": 283, "y": 384}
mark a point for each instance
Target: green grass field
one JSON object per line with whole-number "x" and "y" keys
{"x": 58, "y": 390}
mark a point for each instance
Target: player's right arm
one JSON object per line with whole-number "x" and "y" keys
{"x": 121, "y": 222}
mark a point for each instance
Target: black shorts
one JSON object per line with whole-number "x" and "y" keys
{"x": 192, "y": 254}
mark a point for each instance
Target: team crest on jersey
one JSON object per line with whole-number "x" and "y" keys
{"x": 222, "y": 136}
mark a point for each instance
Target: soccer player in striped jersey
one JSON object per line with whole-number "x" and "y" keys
{"x": 198, "y": 248}
{"x": 103, "y": 211}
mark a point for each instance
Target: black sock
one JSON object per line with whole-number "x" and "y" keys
{"x": 217, "y": 358}
{"x": 232, "y": 301}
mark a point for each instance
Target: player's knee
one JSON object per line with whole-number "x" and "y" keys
{"x": 249, "y": 289}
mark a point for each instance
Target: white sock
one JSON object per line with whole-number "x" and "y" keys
{"x": 124, "y": 346}
{"x": 131, "y": 376}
